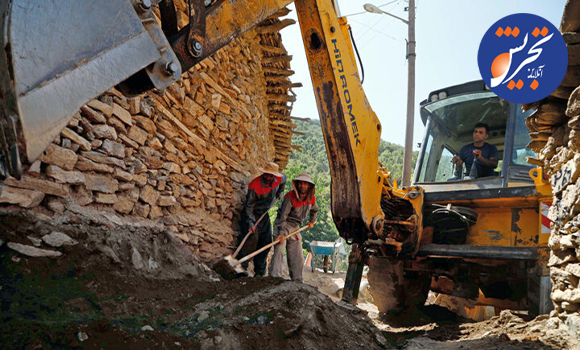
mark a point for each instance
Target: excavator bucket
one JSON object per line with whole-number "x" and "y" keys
{"x": 59, "y": 54}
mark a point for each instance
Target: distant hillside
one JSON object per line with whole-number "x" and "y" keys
{"x": 313, "y": 155}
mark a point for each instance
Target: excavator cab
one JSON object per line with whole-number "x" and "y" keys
{"x": 449, "y": 116}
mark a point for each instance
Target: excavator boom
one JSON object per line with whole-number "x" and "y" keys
{"x": 350, "y": 127}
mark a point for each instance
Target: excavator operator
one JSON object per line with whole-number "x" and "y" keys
{"x": 482, "y": 153}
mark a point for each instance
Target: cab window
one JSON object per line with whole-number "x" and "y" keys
{"x": 422, "y": 175}
{"x": 451, "y": 123}
{"x": 445, "y": 168}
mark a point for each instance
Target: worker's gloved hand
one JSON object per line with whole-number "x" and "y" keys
{"x": 252, "y": 229}
{"x": 279, "y": 238}
{"x": 310, "y": 225}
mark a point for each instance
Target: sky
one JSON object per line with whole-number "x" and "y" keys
{"x": 447, "y": 33}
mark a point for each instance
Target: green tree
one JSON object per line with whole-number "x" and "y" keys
{"x": 391, "y": 156}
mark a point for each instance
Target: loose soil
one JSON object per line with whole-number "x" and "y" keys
{"x": 132, "y": 286}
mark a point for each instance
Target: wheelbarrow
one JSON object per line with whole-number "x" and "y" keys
{"x": 328, "y": 251}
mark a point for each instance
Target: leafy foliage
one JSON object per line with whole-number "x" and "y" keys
{"x": 313, "y": 160}
{"x": 391, "y": 156}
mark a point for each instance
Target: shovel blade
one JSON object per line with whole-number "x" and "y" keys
{"x": 229, "y": 268}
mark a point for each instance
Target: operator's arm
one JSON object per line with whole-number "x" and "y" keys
{"x": 490, "y": 162}
{"x": 459, "y": 158}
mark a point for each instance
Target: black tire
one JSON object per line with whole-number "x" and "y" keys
{"x": 325, "y": 263}
{"x": 393, "y": 290}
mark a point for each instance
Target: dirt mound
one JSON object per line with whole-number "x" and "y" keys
{"x": 278, "y": 314}
{"x": 436, "y": 327}
{"x": 136, "y": 287}
{"x": 97, "y": 244}
{"x": 507, "y": 331}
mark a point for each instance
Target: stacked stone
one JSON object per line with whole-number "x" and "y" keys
{"x": 182, "y": 156}
{"x": 555, "y": 131}
{"x": 276, "y": 67}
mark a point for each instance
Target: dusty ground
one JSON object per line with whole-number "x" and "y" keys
{"x": 138, "y": 287}
{"x": 438, "y": 328}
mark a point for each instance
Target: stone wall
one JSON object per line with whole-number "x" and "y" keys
{"x": 181, "y": 157}
{"x": 555, "y": 131}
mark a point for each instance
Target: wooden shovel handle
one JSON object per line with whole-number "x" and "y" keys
{"x": 248, "y": 235}
{"x": 249, "y": 256}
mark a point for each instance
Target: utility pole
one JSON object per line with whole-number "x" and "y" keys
{"x": 411, "y": 55}
{"x": 408, "y": 155}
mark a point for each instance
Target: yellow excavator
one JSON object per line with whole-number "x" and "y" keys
{"x": 483, "y": 239}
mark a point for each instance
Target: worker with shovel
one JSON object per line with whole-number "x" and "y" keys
{"x": 297, "y": 204}
{"x": 263, "y": 192}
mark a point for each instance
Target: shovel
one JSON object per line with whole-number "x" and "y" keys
{"x": 226, "y": 262}
{"x": 234, "y": 268}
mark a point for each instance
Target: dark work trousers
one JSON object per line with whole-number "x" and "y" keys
{"x": 260, "y": 238}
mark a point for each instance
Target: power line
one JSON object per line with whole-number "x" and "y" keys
{"x": 367, "y": 27}
{"x": 360, "y": 13}
{"x": 370, "y": 28}
{"x": 362, "y": 36}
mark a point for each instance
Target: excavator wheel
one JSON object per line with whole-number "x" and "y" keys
{"x": 393, "y": 290}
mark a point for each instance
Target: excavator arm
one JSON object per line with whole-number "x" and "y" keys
{"x": 350, "y": 127}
